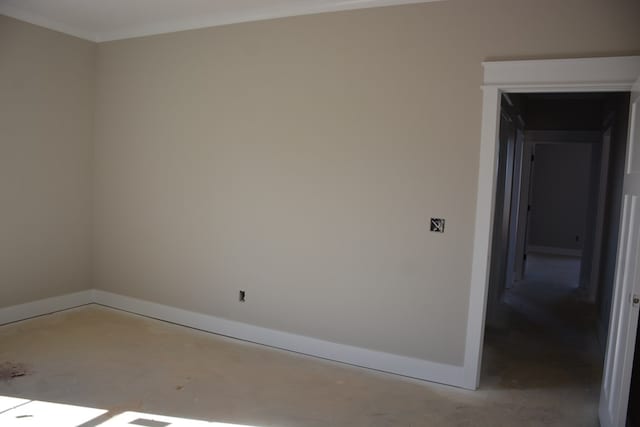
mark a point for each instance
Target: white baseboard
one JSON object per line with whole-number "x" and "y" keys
{"x": 392, "y": 363}
{"x": 554, "y": 251}
{"x": 377, "y": 360}
{"x": 44, "y": 306}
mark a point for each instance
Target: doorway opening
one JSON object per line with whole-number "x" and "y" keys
{"x": 560, "y": 171}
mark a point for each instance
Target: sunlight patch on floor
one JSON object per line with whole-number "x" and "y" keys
{"x": 16, "y": 412}
{"x": 32, "y": 413}
{"x": 7, "y": 403}
{"x": 128, "y": 419}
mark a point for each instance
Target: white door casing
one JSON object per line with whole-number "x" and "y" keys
{"x": 616, "y": 378}
{"x": 612, "y": 74}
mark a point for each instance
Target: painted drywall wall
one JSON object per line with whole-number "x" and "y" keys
{"x": 46, "y": 117}
{"x": 300, "y": 159}
{"x": 560, "y": 196}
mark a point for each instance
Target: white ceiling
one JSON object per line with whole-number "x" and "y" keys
{"x": 103, "y": 20}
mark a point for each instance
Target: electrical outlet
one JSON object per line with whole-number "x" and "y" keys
{"x": 242, "y": 296}
{"x": 437, "y": 225}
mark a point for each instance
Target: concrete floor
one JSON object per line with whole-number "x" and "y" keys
{"x": 102, "y": 358}
{"x": 550, "y": 342}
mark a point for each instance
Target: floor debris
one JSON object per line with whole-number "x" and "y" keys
{"x": 10, "y": 370}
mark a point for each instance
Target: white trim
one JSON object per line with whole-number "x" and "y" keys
{"x": 485, "y": 204}
{"x": 203, "y": 21}
{"x": 559, "y": 75}
{"x": 547, "y": 88}
{"x": 577, "y": 73}
{"x": 551, "y": 250}
{"x": 357, "y": 356}
{"x": 380, "y": 361}
{"x": 44, "y": 306}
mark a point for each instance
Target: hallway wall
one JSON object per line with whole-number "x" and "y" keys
{"x": 560, "y": 196}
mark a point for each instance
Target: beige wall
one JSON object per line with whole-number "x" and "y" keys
{"x": 561, "y": 191}
{"x": 300, "y": 160}
{"x": 46, "y": 118}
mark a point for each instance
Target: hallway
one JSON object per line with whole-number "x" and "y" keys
{"x": 550, "y": 341}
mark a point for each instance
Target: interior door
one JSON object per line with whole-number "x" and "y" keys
{"x": 512, "y": 248}
{"x": 614, "y": 395}
{"x": 523, "y": 209}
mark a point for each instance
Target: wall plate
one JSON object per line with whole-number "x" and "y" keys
{"x": 437, "y": 225}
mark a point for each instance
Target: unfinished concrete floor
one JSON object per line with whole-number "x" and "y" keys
{"x": 550, "y": 340}
{"x": 98, "y": 357}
